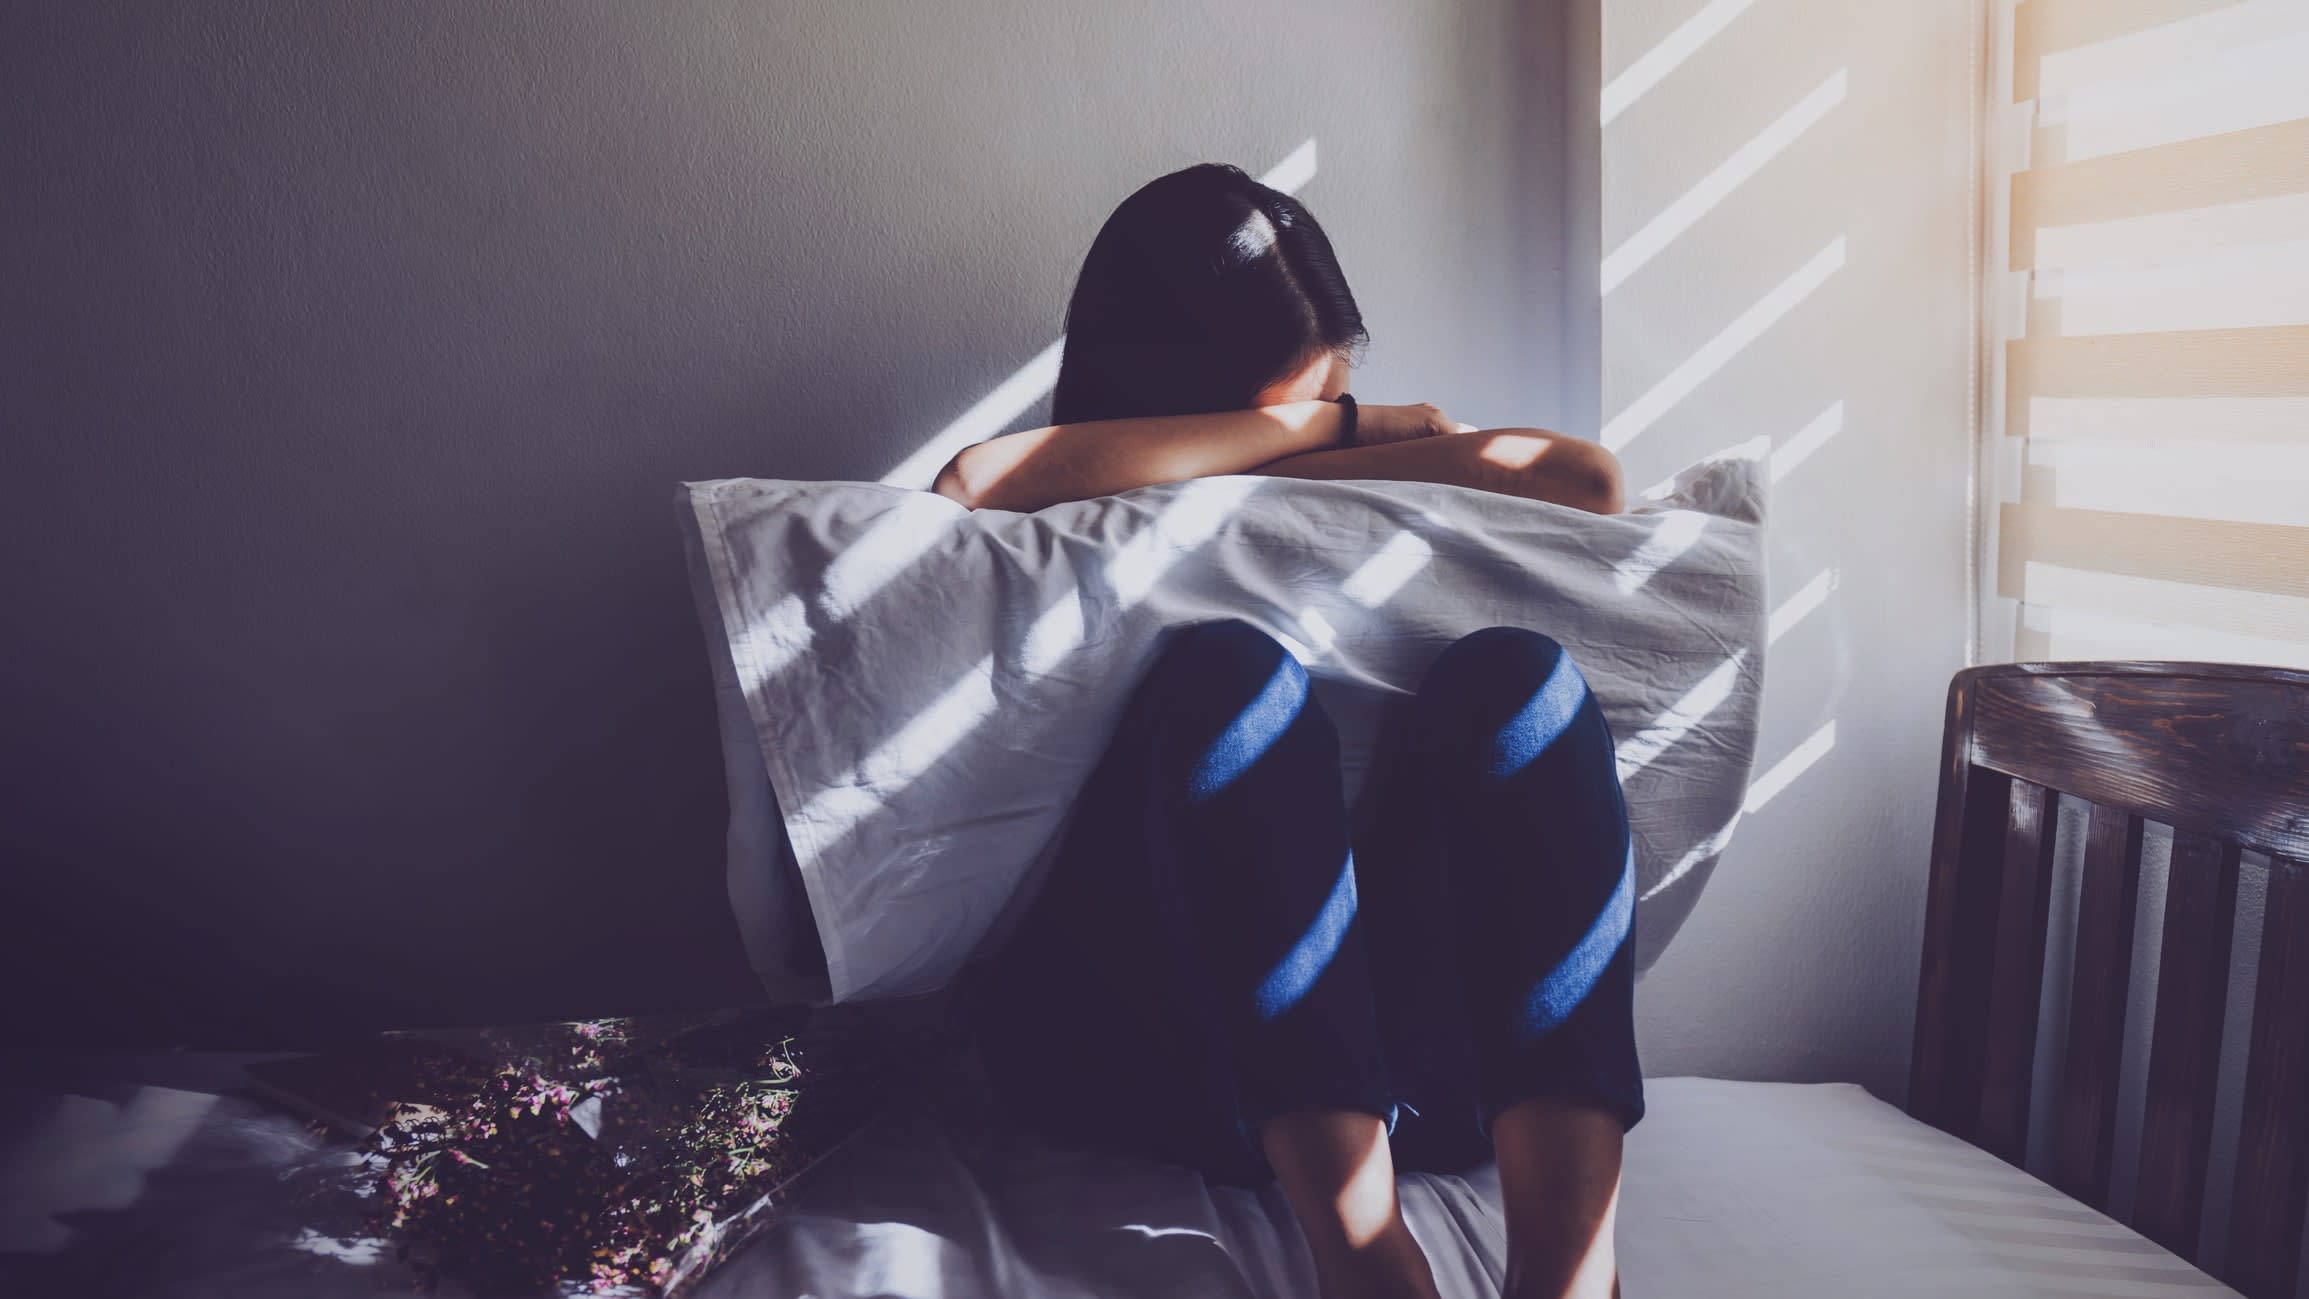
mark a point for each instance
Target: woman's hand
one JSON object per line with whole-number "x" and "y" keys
{"x": 1380, "y": 425}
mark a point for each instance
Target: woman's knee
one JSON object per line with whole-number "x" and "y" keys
{"x": 1227, "y": 658}
{"x": 1509, "y": 688}
{"x": 1499, "y": 665}
{"x": 1226, "y": 691}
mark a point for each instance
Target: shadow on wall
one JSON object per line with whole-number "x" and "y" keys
{"x": 354, "y": 679}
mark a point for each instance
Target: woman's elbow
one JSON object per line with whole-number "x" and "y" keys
{"x": 1606, "y": 481}
{"x": 1562, "y": 469}
{"x": 953, "y": 484}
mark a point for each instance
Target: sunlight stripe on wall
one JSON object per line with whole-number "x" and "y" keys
{"x": 1718, "y": 352}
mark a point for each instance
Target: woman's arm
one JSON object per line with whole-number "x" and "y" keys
{"x": 1075, "y": 462}
{"x": 1533, "y": 463}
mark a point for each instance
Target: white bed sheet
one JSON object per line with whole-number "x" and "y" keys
{"x": 1732, "y": 1190}
{"x": 149, "y": 1184}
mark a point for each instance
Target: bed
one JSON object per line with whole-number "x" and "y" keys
{"x": 147, "y": 1175}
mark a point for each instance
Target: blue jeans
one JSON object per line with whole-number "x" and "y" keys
{"x": 1220, "y": 940}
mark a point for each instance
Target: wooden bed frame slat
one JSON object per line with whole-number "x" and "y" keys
{"x": 2016, "y": 980}
{"x": 2265, "y": 1215}
{"x": 1943, "y": 1067}
{"x": 2185, "y": 1046}
{"x": 2220, "y": 753}
{"x": 2085, "y": 1120}
{"x": 1953, "y": 998}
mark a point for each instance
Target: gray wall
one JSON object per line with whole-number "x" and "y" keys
{"x": 349, "y": 354}
{"x": 1786, "y": 213}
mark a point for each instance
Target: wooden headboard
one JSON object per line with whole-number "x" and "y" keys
{"x": 2220, "y": 753}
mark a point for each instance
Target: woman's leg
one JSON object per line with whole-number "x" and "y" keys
{"x": 1191, "y": 982}
{"x": 1523, "y": 784}
{"x": 1414, "y": 936}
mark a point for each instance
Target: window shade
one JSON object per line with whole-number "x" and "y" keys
{"x": 2146, "y": 428}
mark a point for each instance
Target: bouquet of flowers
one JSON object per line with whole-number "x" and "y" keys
{"x": 610, "y": 1156}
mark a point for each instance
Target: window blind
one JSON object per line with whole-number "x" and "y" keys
{"x": 2146, "y": 320}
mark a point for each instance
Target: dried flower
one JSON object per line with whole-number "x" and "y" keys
{"x": 608, "y": 1154}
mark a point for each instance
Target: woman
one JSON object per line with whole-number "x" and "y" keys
{"x": 1228, "y": 969}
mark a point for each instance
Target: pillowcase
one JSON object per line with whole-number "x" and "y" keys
{"x": 912, "y": 692}
{"x": 765, "y": 883}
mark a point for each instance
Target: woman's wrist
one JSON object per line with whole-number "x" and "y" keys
{"x": 1310, "y": 425}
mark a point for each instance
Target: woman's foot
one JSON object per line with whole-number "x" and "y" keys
{"x": 1391, "y": 1267}
{"x": 1339, "y": 1175}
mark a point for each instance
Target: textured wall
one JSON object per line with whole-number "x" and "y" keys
{"x": 1785, "y": 219}
{"x": 349, "y": 354}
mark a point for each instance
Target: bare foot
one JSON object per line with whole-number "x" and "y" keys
{"x": 1391, "y": 1267}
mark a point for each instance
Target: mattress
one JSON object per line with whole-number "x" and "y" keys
{"x": 1731, "y": 1189}
{"x": 1754, "y": 1189}
{"x": 140, "y": 1178}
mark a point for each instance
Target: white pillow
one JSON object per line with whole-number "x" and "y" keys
{"x": 927, "y": 687}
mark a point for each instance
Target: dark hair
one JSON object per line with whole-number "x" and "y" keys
{"x": 1204, "y": 287}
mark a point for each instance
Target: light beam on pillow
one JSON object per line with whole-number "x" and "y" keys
{"x": 914, "y": 524}
{"x": 903, "y": 757}
{"x": 1053, "y": 635}
{"x": 780, "y": 636}
{"x": 1638, "y": 751}
{"x": 901, "y": 1258}
{"x": 1679, "y": 533}
{"x": 895, "y": 540}
{"x": 1372, "y": 584}
{"x": 1189, "y": 521}
{"x": 1194, "y": 517}
{"x": 1382, "y": 575}
{"x": 1321, "y": 636}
